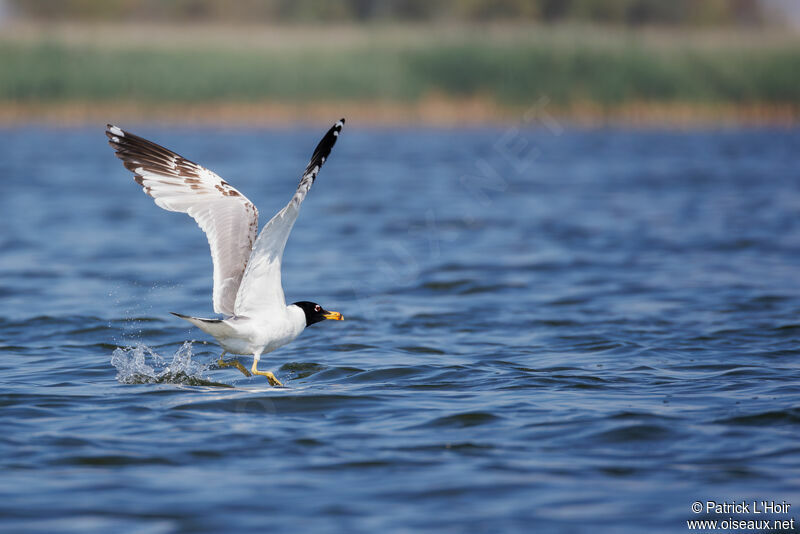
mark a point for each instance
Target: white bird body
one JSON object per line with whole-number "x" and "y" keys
{"x": 251, "y": 335}
{"x": 247, "y": 270}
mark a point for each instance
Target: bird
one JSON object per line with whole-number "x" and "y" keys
{"x": 247, "y": 288}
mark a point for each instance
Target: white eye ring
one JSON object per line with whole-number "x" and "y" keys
{"x": 317, "y": 308}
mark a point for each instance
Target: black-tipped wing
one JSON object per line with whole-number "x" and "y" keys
{"x": 261, "y": 290}
{"x": 228, "y": 218}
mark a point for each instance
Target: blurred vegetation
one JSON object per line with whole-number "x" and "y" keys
{"x": 630, "y": 12}
{"x": 503, "y": 55}
{"x": 567, "y": 66}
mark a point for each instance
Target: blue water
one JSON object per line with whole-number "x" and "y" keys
{"x": 547, "y": 329}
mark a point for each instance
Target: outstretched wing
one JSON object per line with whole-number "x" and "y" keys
{"x": 228, "y": 218}
{"x": 261, "y": 290}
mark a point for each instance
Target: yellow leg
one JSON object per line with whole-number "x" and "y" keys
{"x": 271, "y": 377}
{"x": 233, "y": 363}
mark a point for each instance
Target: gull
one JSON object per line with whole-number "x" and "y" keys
{"x": 247, "y": 270}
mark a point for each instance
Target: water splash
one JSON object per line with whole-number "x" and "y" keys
{"x": 141, "y": 365}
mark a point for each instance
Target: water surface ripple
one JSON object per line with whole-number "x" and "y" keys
{"x": 586, "y": 333}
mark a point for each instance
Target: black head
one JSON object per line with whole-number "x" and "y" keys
{"x": 315, "y": 313}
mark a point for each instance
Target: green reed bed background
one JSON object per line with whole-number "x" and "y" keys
{"x": 510, "y": 66}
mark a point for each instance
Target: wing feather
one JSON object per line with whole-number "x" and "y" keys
{"x": 261, "y": 290}
{"x": 228, "y": 218}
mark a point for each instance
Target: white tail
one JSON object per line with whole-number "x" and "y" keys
{"x": 213, "y": 327}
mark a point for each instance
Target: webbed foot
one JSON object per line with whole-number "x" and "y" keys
{"x": 271, "y": 377}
